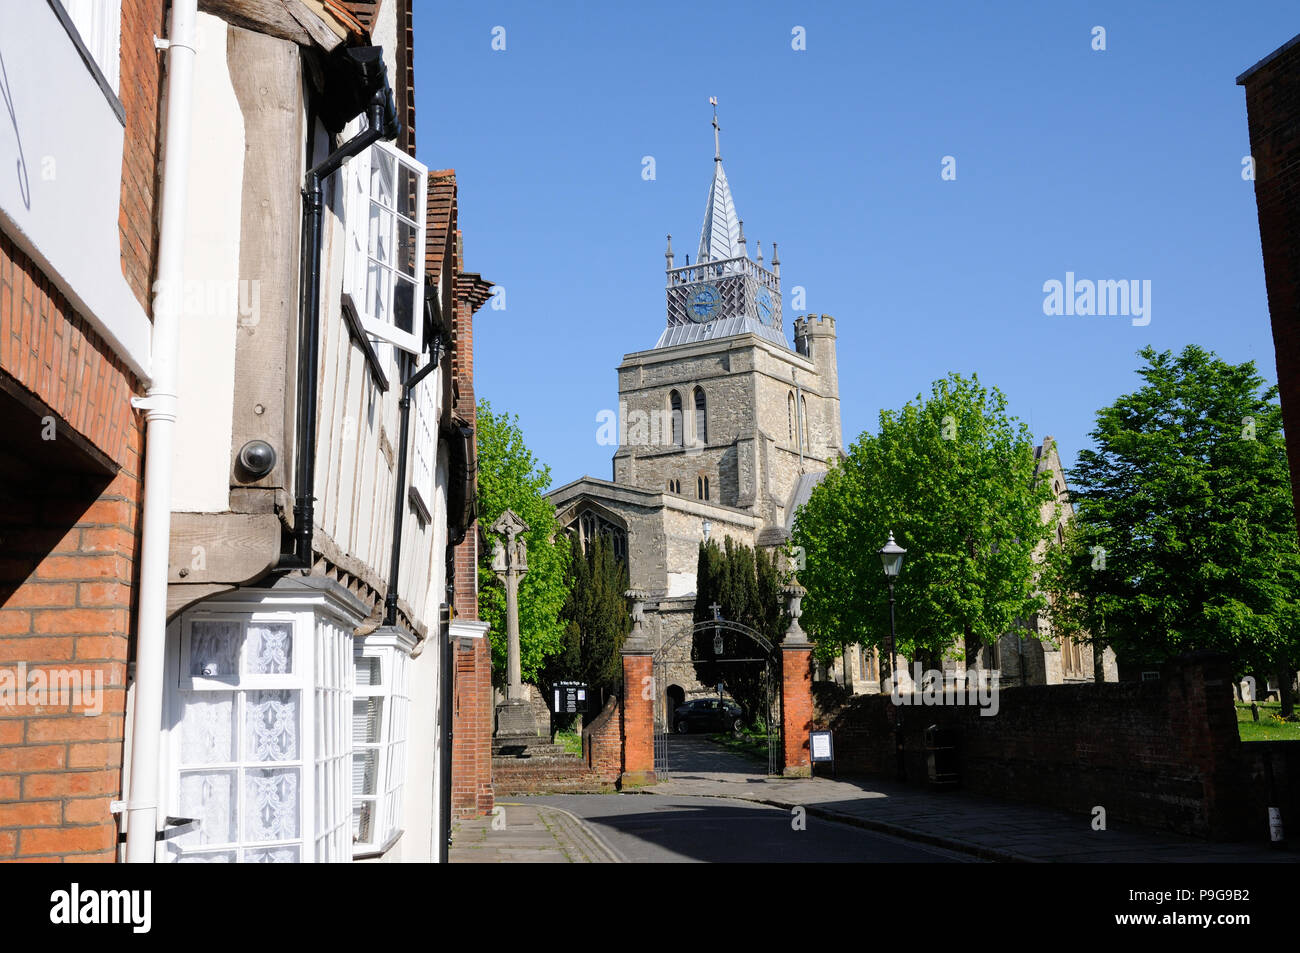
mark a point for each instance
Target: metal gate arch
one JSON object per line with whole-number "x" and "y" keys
{"x": 771, "y": 705}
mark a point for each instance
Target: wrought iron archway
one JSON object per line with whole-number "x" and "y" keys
{"x": 770, "y": 705}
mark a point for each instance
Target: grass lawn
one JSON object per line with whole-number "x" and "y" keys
{"x": 750, "y": 743}
{"x": 571, "y": 740}
{"x": 1269, "y": 727}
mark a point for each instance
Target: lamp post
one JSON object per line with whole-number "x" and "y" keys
{"x": 891, "y": 559}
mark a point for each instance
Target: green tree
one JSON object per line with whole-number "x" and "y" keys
{"x": 952, "y": 476}
{"x": 746, "y": 585}
{"x": 510, "y": 477}
{"x": 596, "y": 620}
{"x": 1184, "y": 536}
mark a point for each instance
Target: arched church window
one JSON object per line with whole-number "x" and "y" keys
{"x": 789, "y": 415}
{"x": 803, "y": 418}
{"x": 675, "y": 414}
{"x": 701, "y": 422}
{"x": 702, "y": 487}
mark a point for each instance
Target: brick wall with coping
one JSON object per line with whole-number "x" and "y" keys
{"x": 1163, "y": 754}
{"x": 796, "y": 710}
{"x": 602, "y": 742}
{"x": 638, "y": 720}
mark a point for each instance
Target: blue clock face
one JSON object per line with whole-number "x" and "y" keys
{"x": 764, "y": 302}
{"x": 704, "y": 303}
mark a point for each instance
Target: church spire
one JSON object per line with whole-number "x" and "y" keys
{"x": 720, "y": 235}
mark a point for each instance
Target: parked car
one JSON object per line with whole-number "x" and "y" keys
{"x": 708, "y": 714}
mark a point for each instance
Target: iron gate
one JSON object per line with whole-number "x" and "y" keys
{"x": 769, "y": 708}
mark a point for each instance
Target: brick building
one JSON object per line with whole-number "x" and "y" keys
{"x": 241, "y": 474}
{"x": 1273, "y": 110}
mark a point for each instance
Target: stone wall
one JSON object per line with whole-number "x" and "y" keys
{"x": 1164, "y": 754}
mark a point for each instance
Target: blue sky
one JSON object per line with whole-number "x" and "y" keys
{"x": 1116, "y": 164}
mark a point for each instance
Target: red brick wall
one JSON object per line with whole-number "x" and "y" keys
{"x": 67, "y": 566}
{"x": 140, "y": 88}
{"x": 1273, "y": 108}
{"x": 638, "y": 719}
{"x": 66, "y": 573}
{"x": 471, "y": 751}
{"x": 1160, "y": 753}
{"x": 602, "y": 742}
{"x": 796, "y": 709}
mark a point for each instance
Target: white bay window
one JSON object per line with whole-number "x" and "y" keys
{"x": 257, "y": 746}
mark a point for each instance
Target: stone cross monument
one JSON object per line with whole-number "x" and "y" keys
{"x": 510, "y": 562}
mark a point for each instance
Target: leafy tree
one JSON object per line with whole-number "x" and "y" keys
{"x": 747, "y": 587}
{"x": 952, "y": 476}
{"x": 1185, "y": 536}
{"x": 510, "y": 477}
{"x": 596, "y": 619}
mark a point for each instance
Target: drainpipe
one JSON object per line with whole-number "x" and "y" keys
{"x": 382, "y": 124}
{"x": 399, "y": 504}
{"x": 159, "y": 407}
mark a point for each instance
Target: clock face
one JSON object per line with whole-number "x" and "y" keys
{"x": 764, "y": 302}
{"x": 704, "y": 303}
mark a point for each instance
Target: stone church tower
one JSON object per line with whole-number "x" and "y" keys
{"x": 723, "y": 427}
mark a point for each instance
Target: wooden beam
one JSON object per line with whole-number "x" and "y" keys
{"x": 226, "y": 548}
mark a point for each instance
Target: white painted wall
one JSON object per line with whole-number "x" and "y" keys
{"x": 61, "y": 175}
{"x": 212, "y": 297}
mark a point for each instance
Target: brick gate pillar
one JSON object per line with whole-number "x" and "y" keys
{"x": 638, "y": 701}
{"x": 796, "y": 691}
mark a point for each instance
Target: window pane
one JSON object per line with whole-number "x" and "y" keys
{"x": 377, "y": 278}
{"x": 214, "y": 648}
{"x": 380, "y": 244}
{"x": 409, "y": 183}
{"x": 364, "y": 768}
{"x": 365, "y": 720}
{"x": 209, "y": 797}
{"x": 404, "y": 305}
{"x": 270, "y": 648}
{"x": 408, "y": 246}
{"x": 271, "y": 726}
{"x": 271, "y": 804}
{"x": 363, "y": 815}
{"x": 381, "y": 177}
{"x": 368, "y": 672}
{"x": 208, "y": 728}
{"x": 273, "y": 855}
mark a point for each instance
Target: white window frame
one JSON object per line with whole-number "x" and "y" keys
{"x": 321, "y": 671}
{"x": 371, "y": 219}
{"x": 424, "y": 459}
{"x": 392, "y": 650}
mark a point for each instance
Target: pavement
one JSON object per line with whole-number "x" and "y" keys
{"x": 715, "y": 804}
{"x": 518, "y": 833}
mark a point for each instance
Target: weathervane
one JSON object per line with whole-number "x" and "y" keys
{"x": 717, "y": 148}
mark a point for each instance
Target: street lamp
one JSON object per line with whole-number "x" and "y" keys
{"x": 891, "y": 560}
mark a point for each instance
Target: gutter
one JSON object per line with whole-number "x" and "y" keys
{"x": 159, "y": 406}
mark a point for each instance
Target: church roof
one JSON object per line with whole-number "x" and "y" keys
{"x": 721, "y": 328}
{"x": 720, "y": 234}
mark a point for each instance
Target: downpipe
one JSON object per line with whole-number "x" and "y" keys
{"x": 381, "y": 124}
{"x": 159, "y": 406}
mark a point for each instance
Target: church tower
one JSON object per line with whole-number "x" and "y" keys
{"x": 724, "y": 428}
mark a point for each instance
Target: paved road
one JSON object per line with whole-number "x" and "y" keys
{"x": 653, "y": 828}
{"x": 666, "y": 825}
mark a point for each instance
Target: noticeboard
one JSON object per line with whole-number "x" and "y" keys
{"x": 569, "y": 698}
{"x": 821, "y": 746}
